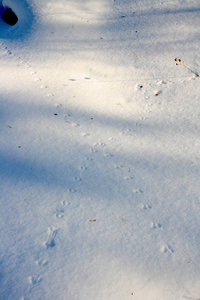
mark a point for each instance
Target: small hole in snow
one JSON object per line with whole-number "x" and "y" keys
{"x": 9, "y": 16}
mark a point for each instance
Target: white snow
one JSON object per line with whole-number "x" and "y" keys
{"x": 100, "y": 150}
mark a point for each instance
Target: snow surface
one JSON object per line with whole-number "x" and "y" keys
{"x": 100, "y": 150}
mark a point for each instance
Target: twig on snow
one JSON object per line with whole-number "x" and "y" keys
{"x": 181, "y": 63}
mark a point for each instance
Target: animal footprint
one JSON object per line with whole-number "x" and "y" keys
{"x": 77, "y": 178}
{"x": 71, "y": 191}
{"x": 128, "y": 177}
{"x": 8, "y": 52}
{"x": 50, "y": 95}
{"x": 155, "y": 225}
{"x": 146, "y": 206}
{"x": 89, "y": 158}
{"x": 60, "y": 214}
{"x": 42, "y": 262}
{"x": 94, "y": 150}
{"x": 64, "y": 203}
{"x": 108, "y": 155}
{"x": 85, "y": 134}
{"x": 75, "y": 125}
{"x": 137, "y": 191}
{"x": 119, "y": 167}
{"x": 166, "y": 249}
{"x": 50, "y": 243}
{"x": 61, "y": 211}
{"x": 34, "y": 280}
{"x": 99, "y": 144}
{"x": 69, "y": 114}
{"x": 83, "y": 168}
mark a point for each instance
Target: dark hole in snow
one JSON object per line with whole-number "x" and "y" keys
{"x": 9, "y": 17}
{"x": 141, "y": 86}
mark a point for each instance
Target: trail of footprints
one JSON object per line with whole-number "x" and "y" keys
{"x": 26, "y": 65}
{"x": 147, "y": 208}
{"x": 61, "y": 210}
{"x": 52, "y": 232}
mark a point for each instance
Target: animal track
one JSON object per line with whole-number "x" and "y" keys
{"x": 99, "y": 145}
{"x": 137, "y": 191}
{"x": 50, "y": 95}
{"x": 50, "y": 243}
{"x": 8, "y": 52}
{"x": 60, "y": 213}
{"x": 108, "y": 155}
{"x": 166, "y": 249}
{"x": 26, "y": 65}
{"x": 34, "y": 280}
{"x": 83, "y": 168}
{"x": 155, "y": 225}
{"x": 64, "y": 203}
{"x": 75, "y": 125}
{"x": 71, "y": 191}
{"x": 89, "y": 158}
{"x": 85, "y": 134}
{"x": 37, "y": 79}
{"x": 146, "y": 206}
{"x": 94, "y": 150}
{"x": 119, "y": 167}
{"x": 42, "y": 262}
{"x": 128, "y": 132}
{"x": 128, "y": 177}
{"x": 77, "y": 179}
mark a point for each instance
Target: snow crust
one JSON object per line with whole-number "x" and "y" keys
{"x": 100, "y": 149}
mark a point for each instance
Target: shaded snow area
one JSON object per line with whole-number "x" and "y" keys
{"x": 100, "y": 150}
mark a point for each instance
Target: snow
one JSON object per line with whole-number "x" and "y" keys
{"x": 100, "y": 151}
